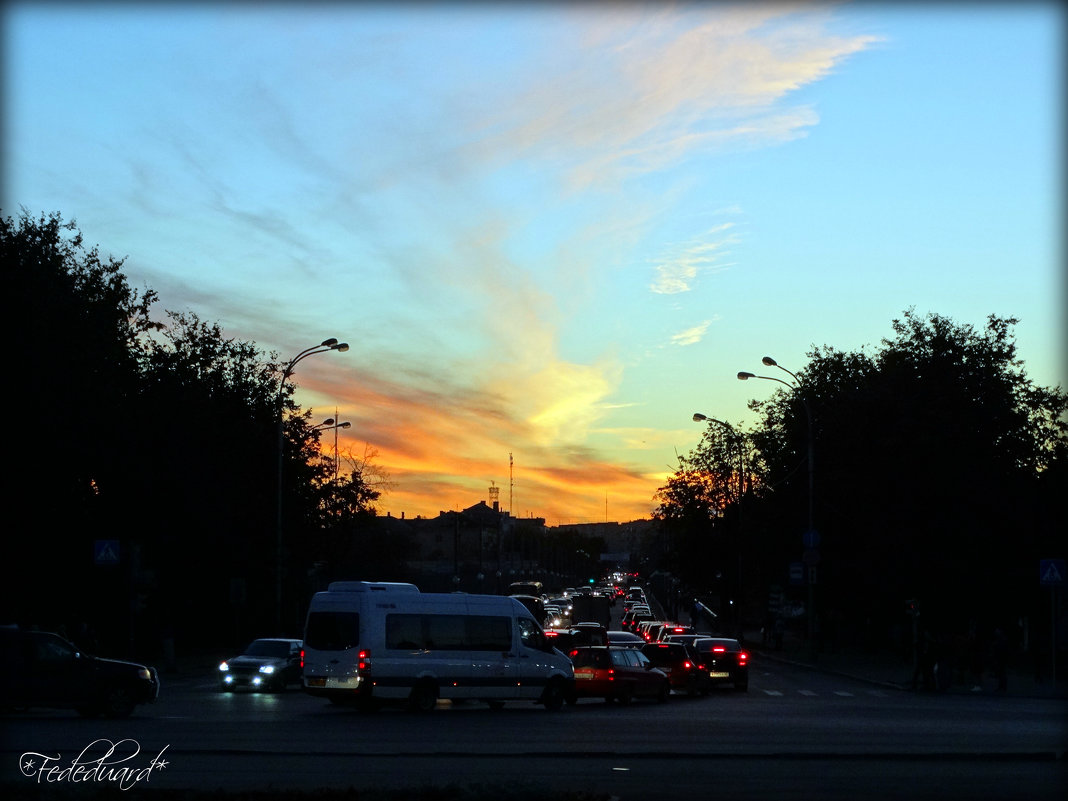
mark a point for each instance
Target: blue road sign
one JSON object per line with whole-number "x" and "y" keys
{"x": 106, "y": 552}
{"x": 1051, "y": 572}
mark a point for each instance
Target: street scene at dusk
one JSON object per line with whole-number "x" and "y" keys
{"x": 734, "y": 330}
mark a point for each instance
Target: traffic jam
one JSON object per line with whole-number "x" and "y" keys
{"x": 587, "y": 649}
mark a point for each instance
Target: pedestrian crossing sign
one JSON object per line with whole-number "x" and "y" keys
{"x": 106, "y": 552}
{"x": 1051, "y": 572}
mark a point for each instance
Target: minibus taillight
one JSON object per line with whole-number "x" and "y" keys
{"x": 363, "y": 660}
{"x": 302, "y": 659}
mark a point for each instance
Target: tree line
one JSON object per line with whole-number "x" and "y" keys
{"x": 144, "y": 474}
{"x": 930, "y": 469}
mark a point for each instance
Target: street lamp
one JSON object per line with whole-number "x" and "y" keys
{"x": 811, "y": 540}
{"x": 331, "y": 423}
{"x": 322, "y": 347}
{"x": 701, "y": 418}
{"x": 796, "y": 387}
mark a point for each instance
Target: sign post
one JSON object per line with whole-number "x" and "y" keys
{"x": 1051, "y": 574}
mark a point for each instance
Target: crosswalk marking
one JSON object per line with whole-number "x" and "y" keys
{"x": 816, "y": 693}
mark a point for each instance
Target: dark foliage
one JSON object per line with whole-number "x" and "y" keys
{"x": 164, "y": 438}
{"x": 937, "y": 465}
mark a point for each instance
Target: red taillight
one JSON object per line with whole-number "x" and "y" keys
{"x": 302, "y": 659}
{"x": 687, "y": 665}
{"x": 719, "y": 649}
{"x": 363, "y": 660}
{"x": 742, "y": 656}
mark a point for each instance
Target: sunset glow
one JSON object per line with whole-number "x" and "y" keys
{"x": 550, "y": 231}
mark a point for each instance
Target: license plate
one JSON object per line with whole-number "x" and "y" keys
{"x": 317, "y": 681}
{"x": 583, "y": 674}
{"x": 715, "y": 674}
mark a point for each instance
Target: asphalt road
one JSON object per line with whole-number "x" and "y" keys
{"x": 796, "y": 734}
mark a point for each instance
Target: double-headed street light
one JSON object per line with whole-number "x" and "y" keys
{"x": 331, "y": 423}
{"x": 322, "y": 347}
{"x": 811, "y": 539}
{"x": 795, "y": 387}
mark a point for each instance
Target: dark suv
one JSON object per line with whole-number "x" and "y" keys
{"x": 42, "y": 669}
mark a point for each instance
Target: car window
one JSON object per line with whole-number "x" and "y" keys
{"x": 530, "y": 633}
{"x": 619, "y": 658}
{"x": 52, "y": 651}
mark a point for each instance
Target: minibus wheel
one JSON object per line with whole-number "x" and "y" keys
{"x": 424, "y": 697}
{"x": 554, "y": 694}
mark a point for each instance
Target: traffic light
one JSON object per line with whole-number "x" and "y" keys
{"x": 912, "y": 607}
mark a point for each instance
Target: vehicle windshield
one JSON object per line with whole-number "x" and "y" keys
{"x": 276, "y": 648}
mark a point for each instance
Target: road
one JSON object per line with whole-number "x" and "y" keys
{"x": 797, "y": 733}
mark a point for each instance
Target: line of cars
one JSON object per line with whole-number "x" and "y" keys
{"x": 697, "y": 661}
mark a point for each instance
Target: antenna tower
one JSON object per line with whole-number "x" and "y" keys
{"x": 511, "y": 484}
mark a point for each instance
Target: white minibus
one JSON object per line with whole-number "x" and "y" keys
{"x": 368, "y": 642}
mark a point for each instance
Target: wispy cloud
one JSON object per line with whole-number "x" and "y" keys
{"x": 634, "y": 89}
{"x": 691, "y": 336}
{"x": 678, "y": 270}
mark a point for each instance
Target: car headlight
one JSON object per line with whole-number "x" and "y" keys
{"x": 266, "y": 668}
{"x": 224, "y": 667}
{"x": 144, "y": 673}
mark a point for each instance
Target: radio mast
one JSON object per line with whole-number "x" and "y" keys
{"x": 511, "y": 484}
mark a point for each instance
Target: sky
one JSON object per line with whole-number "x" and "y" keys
{"x": 550, "y": 232}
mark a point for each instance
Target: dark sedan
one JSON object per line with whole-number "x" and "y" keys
{"x": 682, "y": 665}
{"x": 267, "y": 664}
{"x": 725, "y": 660}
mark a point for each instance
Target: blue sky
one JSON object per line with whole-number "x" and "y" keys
{"x": 551, "y": 230}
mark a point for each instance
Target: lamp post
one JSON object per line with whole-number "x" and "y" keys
{"x": 701, "y": 418}
{"x": 322, "y": 347}
{"x": 811, "y": 539}
{"x": 330, "y": 422}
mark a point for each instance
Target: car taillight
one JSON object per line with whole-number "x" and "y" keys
{"x": 719, "y": 649}
{"x": 687, "y": 665}
{"x": 302, "y": 659}
{"x": 363, "y": 660}
{"x": 742, "y": 656}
